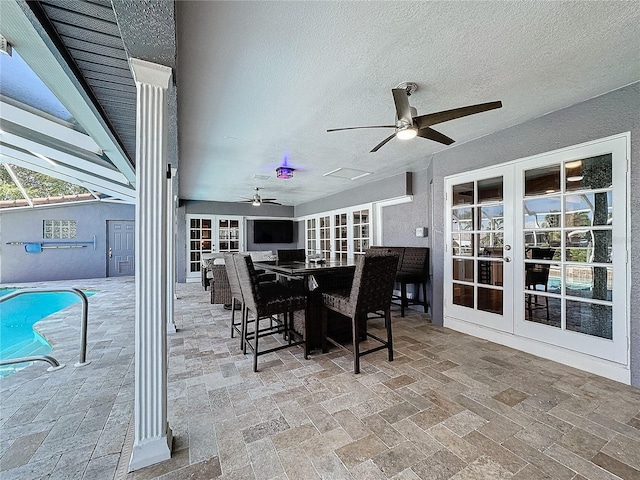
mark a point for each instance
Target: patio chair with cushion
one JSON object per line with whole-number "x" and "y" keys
{"x": 292, "y": 255}
{"x": 236, "y": 295}
{"x": 265, "y": 302}
{"x": 370, "y": 292}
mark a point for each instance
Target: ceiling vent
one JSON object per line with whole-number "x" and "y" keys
{"x": 349, "y": 173}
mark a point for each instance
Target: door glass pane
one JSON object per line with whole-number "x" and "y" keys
{"x": 542, "y": 240}
{"x": 490, "y": 300}
{"x": 463, "y": 244}
{"x": 462, "y": 219}
{"x": 590, "y": 318}
{"x": 540, "y": 181}
{"x": 589, "y": 282}
{"x": 588, "y": 209}
{"x": 542, "y": 212}
{"x": 463, "y": 194}
{"x": 589, "y": 173}
{"x": 491, "y": 218}
{"x": 543, "y": 309}
{"x": 489, "y": 273}
{"x": 490, "y": 244}
{"x": 463, "y": 270}
{"x": 589, "y": 246}
{"x": 463, "y": 295}
{"x": 490, "y": 190}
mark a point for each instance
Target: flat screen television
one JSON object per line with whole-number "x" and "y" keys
{"x": 272, "y": 231}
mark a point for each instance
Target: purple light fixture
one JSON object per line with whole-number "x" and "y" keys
{"x": 284, "y": 172}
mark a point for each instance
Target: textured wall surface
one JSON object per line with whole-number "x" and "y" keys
{"x": 57, "y": 264}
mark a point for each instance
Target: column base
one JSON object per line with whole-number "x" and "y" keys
{"x": 171, "y": 328}
{"x": 151, "y": 452}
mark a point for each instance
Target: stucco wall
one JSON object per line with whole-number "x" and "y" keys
{"x": 26, "y": 225}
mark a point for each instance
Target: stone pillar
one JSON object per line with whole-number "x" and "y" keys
{"x": 153, "y": 438}
{"x": 171, "y": 251}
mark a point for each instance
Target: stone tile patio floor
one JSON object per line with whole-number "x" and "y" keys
{"x": 449, "y": 406}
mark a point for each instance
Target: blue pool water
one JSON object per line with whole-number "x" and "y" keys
{"x": 17, "y": 317}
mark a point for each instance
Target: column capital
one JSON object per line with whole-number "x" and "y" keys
{"x": 150, "y": 73}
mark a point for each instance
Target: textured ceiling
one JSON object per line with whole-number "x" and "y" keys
{"x": 258, "y": 81}
{"x": 261, "y": 82}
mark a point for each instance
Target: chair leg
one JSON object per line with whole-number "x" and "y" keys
{"x": 255, "y": 344}
{"x": 233, "y": 314}
{"x": 355, "y": 321}
{"x": 245, "y": 321}
{"x": 325, "y": 315}
{"x": 546, "y": 300}
{"x": 387, "y": 323}
{"x": 304, "y": 337}
{"x": 403, "y": 297}
{"x": 425, "y": 303}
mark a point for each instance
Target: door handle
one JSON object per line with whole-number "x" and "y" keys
{"x": 110, "y": 253}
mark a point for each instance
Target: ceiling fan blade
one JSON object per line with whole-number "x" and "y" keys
{"x": 271, "y": 202}
{"x": 424, "y": 121}
{"x": 403, "y": 110}
{"x": 377, "y": 147}
{"x": 434, "y": 135}
{"x": 354, "y": 128}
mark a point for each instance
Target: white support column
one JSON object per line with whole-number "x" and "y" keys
{"x": 171, "y": 251}
{"x": 153, "y": 438}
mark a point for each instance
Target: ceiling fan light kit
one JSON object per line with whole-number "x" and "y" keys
{"x": 407, "y": 132}
{"x": 410, "y": 125}
{"x": 257, "y": 200}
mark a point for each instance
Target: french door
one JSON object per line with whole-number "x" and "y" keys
{"x": 479, "y": 268}
{"x": 537, "y": 249}
{"x": 211, "y": 234}
{"x": 340, "y": 234}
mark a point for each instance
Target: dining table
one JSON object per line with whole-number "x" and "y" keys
{"x": 313, "y": 277}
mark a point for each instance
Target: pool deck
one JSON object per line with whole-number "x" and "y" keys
{"x": 449, "y": 406}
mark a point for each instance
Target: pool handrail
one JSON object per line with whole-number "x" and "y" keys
{"x": 55, "y": 365}
{"x": 85, "y": 315}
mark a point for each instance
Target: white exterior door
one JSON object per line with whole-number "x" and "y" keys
{"x": 537, "y": 249}
{"x": 479, "y": 248}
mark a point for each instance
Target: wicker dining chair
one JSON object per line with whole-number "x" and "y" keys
{"x": 265, "y": 302}
{"x": 371, "y": 291}
{"x": 236, "y": 295}
{"x": 292, "y": 255}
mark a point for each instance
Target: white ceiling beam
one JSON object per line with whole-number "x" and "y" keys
{"x": 77, "y": 177}
{"x": 51, "y": 128}
{"x": 60, "y": 157}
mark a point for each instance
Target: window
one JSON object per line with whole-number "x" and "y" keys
{"x": 58, "y": 229}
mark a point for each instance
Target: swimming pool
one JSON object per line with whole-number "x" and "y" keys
{"x": 17, "y": 317}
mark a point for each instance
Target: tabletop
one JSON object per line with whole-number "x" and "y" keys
{"x": 307, "y": 268}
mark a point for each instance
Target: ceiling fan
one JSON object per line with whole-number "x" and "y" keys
{"x": 409, "y": 124}
{"x": 257, "y": 200}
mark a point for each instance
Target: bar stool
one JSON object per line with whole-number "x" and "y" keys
{"x": 370, "y": 292}
{"x": 265, "y": 302}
